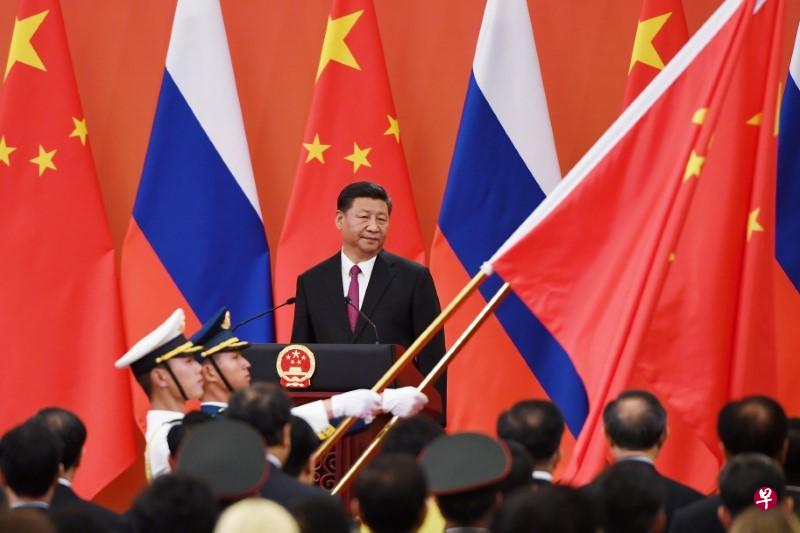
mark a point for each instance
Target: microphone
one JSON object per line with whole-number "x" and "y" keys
{"x": 349, "y": 302}
{"x": 289, "y": 301}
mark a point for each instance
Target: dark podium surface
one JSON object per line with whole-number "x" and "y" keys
{"x": 340, "y": 368}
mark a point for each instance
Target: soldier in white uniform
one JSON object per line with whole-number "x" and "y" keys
{"x": 165, "y": 365}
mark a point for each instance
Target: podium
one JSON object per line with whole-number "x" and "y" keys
{"x": 340, "y": 368}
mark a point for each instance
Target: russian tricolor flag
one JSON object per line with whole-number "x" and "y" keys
{"x": 503, "y": 166}
{"x": 197, "y": 239}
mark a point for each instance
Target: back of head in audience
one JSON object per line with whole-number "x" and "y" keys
{"x": 30, "y": 457}
{"x": 545, "y": 509}
{"x": 464, "y": 472}
{"x": 521, "y": 467}
{"x": 632, "y": 499}
{"x": 174, "y": 502}
{"x": 411, "y": 435}
{"x": 740, "y": 480}
{"x": 754, "y": 424}
{"x": 266, "y": 408}
{"x": 538, "y": 425}
{"x": 320, "y": 515}
{"x": 755, "y": 520}
{"x": 792, "y": 465}
{"x": 304, "y": 441}
{"x": 25, "y": 521}
{"x": 255, "y": 516}
{"x": 70, "y": 431}
{"x": 179, "y": 430}
{"x": 76, "y": 520}
{"x": 390, "y": 494}
{"x": 635, "y": 423}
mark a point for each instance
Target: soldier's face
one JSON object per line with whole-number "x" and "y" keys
{"x": 235, "y": 368}
{"x": 363, "y": 227}
{"x": 188, "y": 372}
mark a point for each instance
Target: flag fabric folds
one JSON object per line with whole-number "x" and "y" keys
{"x": 352, "y": 134}
{"x": 660, "y": 33}
{"x": 787, "y": 227}
{"x": 196, "y": 239}
{"x": 60, "y": 300}
{"x": 504, "y": 164}
{"x": 651, "y": 263}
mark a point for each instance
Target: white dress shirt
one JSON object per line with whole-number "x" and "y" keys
{"x": 156, "y": 453}
{"x": 363, "y": 277}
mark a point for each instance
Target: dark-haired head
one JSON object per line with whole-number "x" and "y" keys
{"x": 635, "y": 421}
{"x": 411, "y": 435}
{"x": 391, "y": 494}
{"x": 265, "y": 407}
{"x": 362, "y": 189}
{"x": 304, "y": 442}
{"x": 754, "y": 424}
{"x": 536, "y": 424}
{"x": 70, "y": 431}
{"x": 632, "y": 498}
{"x": 742, "y": 477}
{"x": 30, "y": 457}
{"x": 174, "y": 502}
{"x": 547, "y": 509}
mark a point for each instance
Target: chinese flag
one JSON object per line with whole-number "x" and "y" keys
{"x": 651, "y": 263}
{"x": 59, "y": 305}
{"x": 352, "y": 134}
{"x": 660, "y": 33}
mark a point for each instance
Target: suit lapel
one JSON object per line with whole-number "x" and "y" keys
{"x": 333, "y": 288}
{"x": 382, "y": 274}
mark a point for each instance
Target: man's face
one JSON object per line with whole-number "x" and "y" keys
{"x": 188, "y": 372}
{"x": 235, "y": 368}
{"x": 363, "y": 228}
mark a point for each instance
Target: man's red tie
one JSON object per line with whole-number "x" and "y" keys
{"x": 352, "y": 293}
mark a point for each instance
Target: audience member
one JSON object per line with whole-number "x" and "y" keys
{"x": 390, "y": 494}
{"x": 538, "y": 425}
{"x": 632, "y": 499}
{"x": 754, "y": 424}
{"x": 178, "y": 431}
{"x": 77, "y": 520}
{"x": 321, "y": 515}
{"x": 174, "y": 502}
{"x": 30, "y": 458}
{"x": 742, "y": 478}
{"x": 71, "y": 434}
{"x": 464, "y": 472}
{"x": 519, "y": 476}
{"x": 636, "y": 429}
{"x": 256, "y": 516}
{"x": 545, "y": 509}
{"x": 754, "y": 520}
{"x": 267, "y": 409}
{"x": 792, "y": 466}
{"x": 411, "y": 435}
{"x": 25, "y": 521}
{"x": 299, "y": 463}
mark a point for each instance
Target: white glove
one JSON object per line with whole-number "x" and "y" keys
{"x": 360, "y": 403}
{"x": 403, "y": 402}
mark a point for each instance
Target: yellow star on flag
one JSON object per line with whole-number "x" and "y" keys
{"x": 80, "y": 130}
{"x": 755, "y": 120}
{"x": 699, "y": 116}
{"x": 333, "y": 46}
{"x": 693, "y": 166}
{"x": 5, "y": 151}
{"x": 753, "y": 224}
{"x": 394, "y": 128}
{"x": 359, "y": 157}
{"x": 316, "y": 149}
{"x": 44, "y": 160}
{"x": 643, "y": 49}
{"x": 22, "y": 50}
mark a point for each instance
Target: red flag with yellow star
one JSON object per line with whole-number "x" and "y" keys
{"x": 651, "y": 263}
{"x": 59, "y": 300}
{"x": 660, "y": 33}
{"x": 352, "y": 134}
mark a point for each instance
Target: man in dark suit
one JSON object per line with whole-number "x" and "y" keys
{"x": 266, "y": 408}
{"x": 398, "y": 295}
{"x": 71, "y": 433}
{"x": 636, "y": 428}
{"x": 755, "y": 424}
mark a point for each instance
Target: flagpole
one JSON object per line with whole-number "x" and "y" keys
{"x": 432, "y": 376}
{"x": 403, "y": 361}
